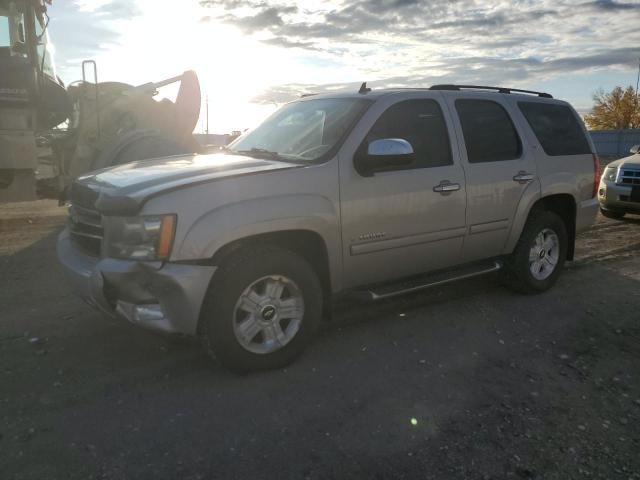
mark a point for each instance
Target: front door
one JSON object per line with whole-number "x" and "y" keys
{"x": 408, "y": 219}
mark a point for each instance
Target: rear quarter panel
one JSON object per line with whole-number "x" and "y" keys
{"x": 564, "y": 174}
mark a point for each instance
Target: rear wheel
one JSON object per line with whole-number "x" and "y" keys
{"x": 538, "y": 258}
{"x": 262, "y": 309}
{"x": 613, "y": 214}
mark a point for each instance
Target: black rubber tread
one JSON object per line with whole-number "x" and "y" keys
{"x": 234, "y": 275}
{"x": 517, "y": 270}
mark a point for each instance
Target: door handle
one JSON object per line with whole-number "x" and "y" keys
{"x": 523, "y": 177}
{"x": 446, "y": 187}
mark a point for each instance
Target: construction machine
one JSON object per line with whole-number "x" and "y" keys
{"x": 50, "y": 134}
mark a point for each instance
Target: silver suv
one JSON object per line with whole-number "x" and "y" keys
{"x": 619, "y": 191}
{"x": 371, "y": 193}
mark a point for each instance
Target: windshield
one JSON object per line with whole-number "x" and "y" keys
{"x": 304, "y": 130}
{"x": 11, "y": 24}
{"x": 45, "y": 48}
{"x": 13, "y": 34}
{"x": 5, "y": 37}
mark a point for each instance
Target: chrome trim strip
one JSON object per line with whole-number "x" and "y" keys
{"x": 489, "y": 226}
{"x": 407, "y": 241}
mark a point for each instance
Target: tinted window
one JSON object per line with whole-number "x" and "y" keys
{"x": 488, "y": 131}
{"x": 5, "y": 38}
{"x": 556, "y": 128}
{"x": 422, "y": 124}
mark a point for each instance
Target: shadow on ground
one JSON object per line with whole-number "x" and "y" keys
{"x": 467, "y": 381}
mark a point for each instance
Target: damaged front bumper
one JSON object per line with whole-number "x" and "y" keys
{"x": 161, "y": 296}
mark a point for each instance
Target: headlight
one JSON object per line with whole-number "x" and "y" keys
{"x": 139, "y": 238}
{"x": 610, "y": 174}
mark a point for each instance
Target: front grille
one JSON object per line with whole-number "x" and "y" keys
{"x": 85, "y": 227}
{"x": 629, "y": 177}
{"x": 83, "y": 196}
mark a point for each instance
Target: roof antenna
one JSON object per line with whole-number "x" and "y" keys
{"x": 364, "y": 89}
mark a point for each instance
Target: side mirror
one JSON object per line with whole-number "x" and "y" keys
{"x": 635, "y": 149}
{"x": 383, "y": 155}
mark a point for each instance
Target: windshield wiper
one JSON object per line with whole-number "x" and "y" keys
{"x": 257, "y": 153}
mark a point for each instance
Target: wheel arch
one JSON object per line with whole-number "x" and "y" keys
{"x": 563, "y": 205}
{"x": 308, "y": 244}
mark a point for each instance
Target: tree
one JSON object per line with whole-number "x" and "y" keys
{"x": 617, "y": 109}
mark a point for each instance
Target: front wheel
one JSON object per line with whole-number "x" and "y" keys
{"x": 262, "y": 309}
{"x": 537, "y": 260}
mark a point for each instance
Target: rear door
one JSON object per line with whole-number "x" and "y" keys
{"x": 403, "y": 221}
{"x": 498, "y": 166}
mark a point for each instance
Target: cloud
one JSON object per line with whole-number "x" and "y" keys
{"x": 471, "y": 70}
{"x": 611, "y": 5}
{"x": 82, "y": 30}
{"x": 421, "y": 42}
{"x": 269, "y": 18}
{"x": 119, "y": 9}
{"x": 337, "y": 44}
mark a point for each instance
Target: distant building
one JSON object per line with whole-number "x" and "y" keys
{"x": 615, "y": 143}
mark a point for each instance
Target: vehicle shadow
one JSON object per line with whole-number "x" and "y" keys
{"x": 56, "y": 314}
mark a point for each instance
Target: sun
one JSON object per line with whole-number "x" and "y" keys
{"x": 233, "y": 67}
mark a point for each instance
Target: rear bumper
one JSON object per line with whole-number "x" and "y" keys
{"x": 586, "y": 214}
{"x": 616, "y": 197}
{"x": 161, "y": 296}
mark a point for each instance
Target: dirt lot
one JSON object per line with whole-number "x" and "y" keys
{"x": 466, "y": 381}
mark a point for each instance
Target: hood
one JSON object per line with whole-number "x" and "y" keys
{"x": 630, "y": 161}
{"x": 122, "y": 190}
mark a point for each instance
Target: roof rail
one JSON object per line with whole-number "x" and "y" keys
{"x": 484, "y": 87}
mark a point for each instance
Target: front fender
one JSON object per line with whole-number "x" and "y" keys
{"x": 235, "y": 221}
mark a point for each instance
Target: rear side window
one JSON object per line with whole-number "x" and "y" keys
{"x": 488, "y": 131}
{"x": 556, "y": 128}
{"x": 422, "y": 124}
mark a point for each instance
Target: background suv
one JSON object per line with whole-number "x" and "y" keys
{"x": 619, "y": 191}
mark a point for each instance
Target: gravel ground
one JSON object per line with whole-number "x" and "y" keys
{"x": 467, "y": 381}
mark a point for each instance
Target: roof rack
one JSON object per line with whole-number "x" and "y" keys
{"x": 484, "y": 87}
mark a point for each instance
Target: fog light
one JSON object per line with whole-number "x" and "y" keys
{"x": 602, "y": 192}
{"x": 148, "y": 313}
{"x": 140, "y": 313}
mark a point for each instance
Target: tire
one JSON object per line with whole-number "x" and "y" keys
{"x": 613, "y": 214}
{"x": 529, "y": 276}
{"x": 247, "y": 278}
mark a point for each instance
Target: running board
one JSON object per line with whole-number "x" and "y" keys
{"x": 426, "y": 281}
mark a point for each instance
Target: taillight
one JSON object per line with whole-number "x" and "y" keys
{"x": 596, "y": 175}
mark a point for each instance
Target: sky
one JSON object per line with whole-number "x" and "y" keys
{"x": 253, "y": 56}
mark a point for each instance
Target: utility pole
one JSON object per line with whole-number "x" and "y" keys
{"x": 207, "y": 112}
{"x": 638, "y": 79}
{"x": 637, "y": 83}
